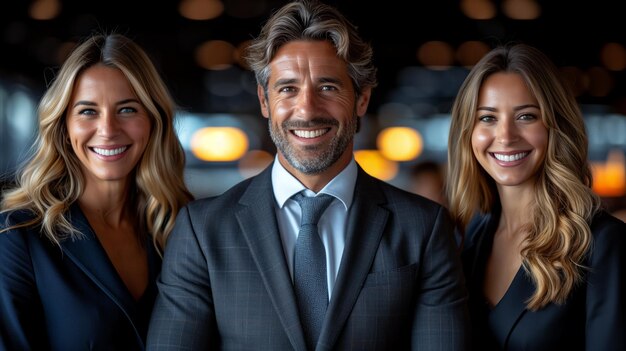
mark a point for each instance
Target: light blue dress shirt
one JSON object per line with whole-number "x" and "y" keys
{"x": 332, "y": 225}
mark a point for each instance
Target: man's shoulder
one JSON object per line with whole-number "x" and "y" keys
{"x": 225, "y": 200}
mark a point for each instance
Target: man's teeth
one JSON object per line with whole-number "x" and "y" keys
{"x": 110, "y": 152}
{"x": 309, "y": 133}
{"x": 510, "y": 158}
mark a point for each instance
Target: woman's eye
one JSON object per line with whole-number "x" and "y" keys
{"x": 527, "y": 117}
{"x": 486, "y": 118}
{"x": 128, "y": 110}
{"x": 87, "y": 111}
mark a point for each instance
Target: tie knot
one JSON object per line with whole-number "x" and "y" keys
{"x": 312, "y": 207}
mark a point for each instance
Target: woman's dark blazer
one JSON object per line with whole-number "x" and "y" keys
{"x": 592, "y": 318}
{"x": 69, "y": 297}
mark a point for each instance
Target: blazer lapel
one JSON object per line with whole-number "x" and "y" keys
{"x": 89, "y": 256}
{"x": 362, "y": 243}
{"x": 480, "y": 249}
{"x": 257, "y": 219}
{"x": 511, "y": 307}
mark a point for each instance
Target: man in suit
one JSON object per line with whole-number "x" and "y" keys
{"x": 393, "y": 276}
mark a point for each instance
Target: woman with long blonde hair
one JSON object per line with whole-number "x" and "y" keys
{"x": 81, "y": 231}
{"x": 545, "y": 265}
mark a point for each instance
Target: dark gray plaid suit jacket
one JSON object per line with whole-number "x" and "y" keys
{"x": 225, "y": 284}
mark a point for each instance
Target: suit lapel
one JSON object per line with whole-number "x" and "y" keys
{"x": 257, "y": 219}
{"x": 89, "y": 256}
{"x": 362, "y": 243}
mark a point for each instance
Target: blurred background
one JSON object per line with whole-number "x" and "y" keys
{"x": 423, "y": 50}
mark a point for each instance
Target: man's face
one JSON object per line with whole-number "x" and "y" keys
{"x": 312, "y": 108}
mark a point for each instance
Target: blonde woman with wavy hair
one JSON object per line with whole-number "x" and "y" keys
{"x": 544, "y": 264}
{"x": 81, "y": 232}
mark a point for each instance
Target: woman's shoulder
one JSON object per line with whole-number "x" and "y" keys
{"x": 13, "y": 237}
{"x": 609, "y": 235}
{"x": 12, "y": 218}
{"x": 605, "y": 224}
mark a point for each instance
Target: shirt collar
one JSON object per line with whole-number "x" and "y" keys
{"x": 285, "y": 185}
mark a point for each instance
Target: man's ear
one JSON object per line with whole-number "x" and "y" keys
{"x": 265, "y": 110}
{"x": 363, "y": 102}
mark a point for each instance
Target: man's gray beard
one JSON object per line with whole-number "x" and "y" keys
{"x": 315, "y": 165}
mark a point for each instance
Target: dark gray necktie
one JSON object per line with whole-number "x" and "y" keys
{"x": 310, "y": 267}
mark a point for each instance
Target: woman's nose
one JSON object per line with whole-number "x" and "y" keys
{"x": 507, "y": 132}
{"x": 108, "y": 125}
